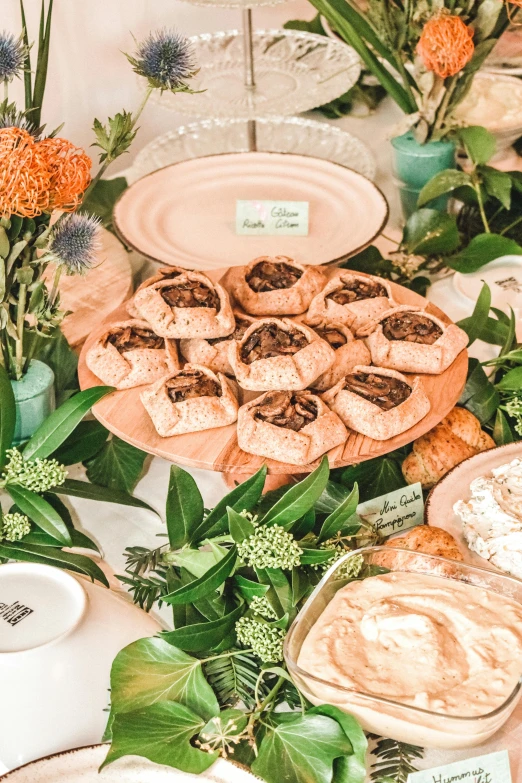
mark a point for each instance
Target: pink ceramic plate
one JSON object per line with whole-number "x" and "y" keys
{"x": 184, "y": 214}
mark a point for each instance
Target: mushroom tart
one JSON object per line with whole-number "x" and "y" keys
{"x": 377, "y": 402}
{"x": 348, "y": 353}
{"x": 279, "y": 354}
{"x": 190, "y": 400}
{"x": 350, "y": 299}
{"x": 275, "y": 285}
{"x": 129, "y": 354}
{"x": 163, "y": 273}
{"x": 189, "y": 305}
{"x": 295, "y": 427}
{"x": 411, "y": 340}
{"x": 213, "y": 353}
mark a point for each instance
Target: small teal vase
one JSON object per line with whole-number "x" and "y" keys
{"x": 34, "y": 399}
{"x": 415, "y": 164}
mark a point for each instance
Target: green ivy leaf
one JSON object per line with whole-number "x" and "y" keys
{"x": 204, "y": 636}
{"x": 351, "y": 768}
{"x": 374, "y": 477}
{"x": 34, "y": 553}
{"x": 371, "y": 261}
{"x": 7, "y": 415}
{"x": 444, "y": 182}
{"x": 480, "y": 144}
{"x": 185, "y": 509}
{"x": 82, "y": 489}
{"x": 333, "y": 495}
{"x": 40, "y": 512}
{"x": 341, "y": 520}
{"x": 207, "y": 584}
{"x": 296, "y": 502}
{"x": 239, "y": 527}
{"x": 511, "y": 381}
{"x": 429, "y": 231}
{"x": 119, "y": 465}
{"x": 502, "y": 433}
{"x": 82, "y": 444}
{"x": 482, "y": 249}
{"x": 161, "y": 733}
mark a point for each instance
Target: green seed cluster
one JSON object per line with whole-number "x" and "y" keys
{"x": 265, "y": 640}
{"x": 13, "y": 527}
{"x": 349, "y": 570}
{"x": 38, "y": 475}
{"x": 514, "y": 409}
{"x": 261, "y": 605}
{"x": 270, "y": 547}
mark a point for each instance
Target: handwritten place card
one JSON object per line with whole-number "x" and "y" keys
{"x": 395, "y": 511}
{"x": 272, "y": 218}
{"x": 493, "y": 768}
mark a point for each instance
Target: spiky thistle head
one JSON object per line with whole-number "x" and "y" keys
{"x": 75, "y": 243}
{"x": 166, "y": 59}
{"x": 10, "y": 117}
{"x": 12, "y": 55}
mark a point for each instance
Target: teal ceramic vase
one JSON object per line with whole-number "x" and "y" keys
{"x": 415, "y": 164}
{"x": 34, "y": 399}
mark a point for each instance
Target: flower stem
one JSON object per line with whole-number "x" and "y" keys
{"x": 482, "y": 211}
{"x": 56, "y": 281}
{"x": 20, "y": 323}
{"x": 230, "y": 654}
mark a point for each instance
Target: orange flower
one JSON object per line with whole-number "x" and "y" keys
{"x": 446, "y": 45}
{"x": 69, "y": 168}
{"x": 24, "y": 176}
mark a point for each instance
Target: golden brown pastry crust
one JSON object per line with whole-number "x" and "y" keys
{"x": 284, "y": 301}
{"x": 347, "y": 356}
{"x": 414, "y": 357}
{"x": 361, "y": 415}
{"x": 191, "y": 415}
{"x": 163, "y": 273}
{"x": 425, "y": 540}
{"x": 185, "y": 322}
{"x": 214, "y": 356}
{"x": 291, "y": 372}
{"x": 456, "y": 438}
{"x": 285, "y": 445}
{"x": 127, "y": 369}
{"x": 355, "y": 314}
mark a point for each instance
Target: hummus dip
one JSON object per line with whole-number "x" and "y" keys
{"x": 421, "y": 640}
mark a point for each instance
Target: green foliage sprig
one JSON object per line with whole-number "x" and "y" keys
{"x": 394, "y": 761}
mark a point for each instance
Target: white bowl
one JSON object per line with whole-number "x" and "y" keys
{"x": 495, "y": 102}
{"x": 58, "y": 637}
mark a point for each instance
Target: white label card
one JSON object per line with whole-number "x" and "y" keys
{"x": 272, "y": 218}
{"x": 493, "y": 768}
{"x": 395, "y": 511}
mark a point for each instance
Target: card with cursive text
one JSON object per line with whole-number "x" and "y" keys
{"x": 272, "y": 218}
{"x": 492, "y": 768}
{"x": 394, "y": 512}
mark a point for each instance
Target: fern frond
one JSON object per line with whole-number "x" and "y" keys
{"x": 233, "y": 679}
{"x": 140, "y": 559}
{"x": 146, "y": 590}
{"x": 395, "y": 760}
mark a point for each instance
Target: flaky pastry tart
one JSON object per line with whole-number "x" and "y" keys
{"x": 275, "y": 285}
{"x": 294, "y": 427}
{"x": 350, "y": 299}
{"x": 189, "y": 305}
{"x": 378, "y": 402}
{"x": 348, "y": 353}
{"x": 279, "y": 354}
{"x": 129, "y": 354}
{"x": 411, "y": 340}
{"x": 213, "y": 353}
{"x": 190, "y": 400}
{"x": 163, "y": 273}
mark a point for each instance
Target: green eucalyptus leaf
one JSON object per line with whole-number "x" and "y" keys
{"x": 304, "y": 524}
{"x": 473, "y": 325}
{"x": 118, "y": 465}
{"x": 354, "y": 764}
{"x": 444, "y": 182}
{"x": 204, "y": 636}
{"x": 479, "y": 143}
{"x": 300, "y": 585}
{"x": 239, "y": 527}
{"x": 45, "y": 555}
{"x": 40, "y": 512}
{"x": 82, "y": 444}
{"x": 511, "y": 381}
{"x": 82, "y": 489}
{"x": 502, "y": 433}
{"x": 280, "y": 594}
{"x": 299, "y": 498}
{"x": 482, "y": 249}
{"x": 198, "y": 561}
{"x": 79, "y": 540}
{"x": 429, "y": 231}
{"x": 7, "y": 415}
{"x": 333, "y": 495}
{"x": 207, "y": 584}
{"x": 313, "y": 556}
{"x": 250, "y": 589}
{"x": 339, "y": 519}
{"x": 185, "y": 509}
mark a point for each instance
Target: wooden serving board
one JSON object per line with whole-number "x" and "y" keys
{"x": 124, "y": 415}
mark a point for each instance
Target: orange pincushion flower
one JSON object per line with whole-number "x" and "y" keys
{"x": 69, "y": 168}
{"x": 446, "y": 45}
{"x": 24, "y": 176}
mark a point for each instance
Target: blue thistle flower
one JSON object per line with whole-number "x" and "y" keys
{"x": 12, "y": 56}
{"x": 10, "y": 117}
{"x": 75, "y": 244}
{"x": 166, "y": 59}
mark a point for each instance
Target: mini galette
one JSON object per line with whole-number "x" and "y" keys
{"x": 163, "y": 273}
{"x": 348, "y": 353}
{"x": 350, "y": 299}
{"x": 213, "y": 353}
{"x": 129, "y": 354}
{"x": 275, "y": 285}
{"x": 378, "y": 402}
{"x": 279, "y": 354}
{"x": 295, "y": 427}
{"x": 190, "y": 400}
{"x": 411, "y": 340}
{"x": 189, "y": 305}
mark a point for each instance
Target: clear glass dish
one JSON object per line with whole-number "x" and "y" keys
{"x": 383, "y": 716}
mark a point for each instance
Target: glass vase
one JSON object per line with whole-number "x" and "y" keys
{"x": 34, "y": 399}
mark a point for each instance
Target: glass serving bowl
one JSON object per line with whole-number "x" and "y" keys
{"x": 384, "y": 716}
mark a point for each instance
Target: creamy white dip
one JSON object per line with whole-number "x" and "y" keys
{"x": 492, "y": 517}
{"x": 421, "y": 640}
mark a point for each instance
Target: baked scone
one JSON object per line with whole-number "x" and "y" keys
{"x": 213, "y": 353}
{"x": 351, "y": 299}
{"x": 409, "y": 339}
{"x": 275, "y": 285}
{"x": 129, "y": 354}
{"x": 456, "y": 438}
{"x": 426, "y": 540}
{"x": 377, "y": 402}
{"x": 279, "y": 354}
{"x": 189, "y": 305}
{"x": 349, "y": 352}
{"x": 163, "y": 273}
{"x": 294, "y": 427}
{"x": 190, "y": 400}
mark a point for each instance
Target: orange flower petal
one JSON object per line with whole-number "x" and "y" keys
{"x": 446, "y": 45}
{"x": 69, "y": 169}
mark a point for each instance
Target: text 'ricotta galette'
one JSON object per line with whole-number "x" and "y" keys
{"x": 129, "y": 354}
{"x": 378, "y": 402}
{"x": 213, "y": 353}
{"x": 294, "y": 427}
{"x": 190, "y": 400}
{"x": 279, "y": 354}
{"x": 275, "y": 285}
{"x": 410, "y": 339}
{"x": 189, "y": 305}
{"x": 351, "y": 299}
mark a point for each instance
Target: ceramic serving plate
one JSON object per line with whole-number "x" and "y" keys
{"x": 455, "y": 486}
{"x": 81, "y": 766}
{"x": 184, "y": 214}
